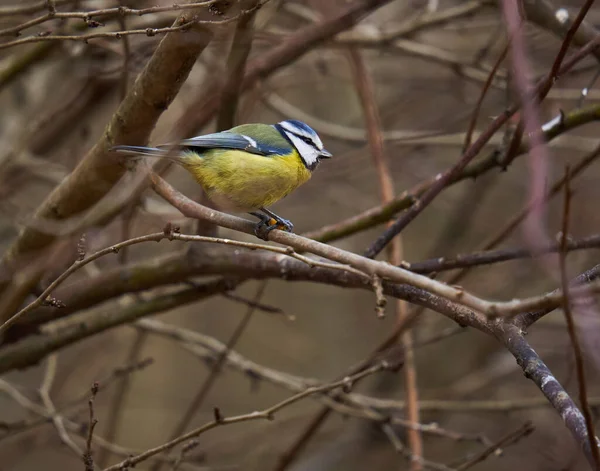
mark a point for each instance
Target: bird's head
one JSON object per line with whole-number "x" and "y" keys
{"x": 305, "y": 140}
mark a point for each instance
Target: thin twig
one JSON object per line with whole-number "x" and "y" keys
{"x": 538, "y": 155}
{"x": 119, "y": 12}
{"x": 526, "y": 319}
{"x": 444, "y": 179}
{"x": 509, "y": 439}
{"x": 184, "y": 451}
{"x": 74, "y": 427}
{"x": 57, "y": 419}
{"x": 30, "y": 8}
{"x": 488, "y": 257}
{"x": 383, "y": 213}
{"x": 120, "y": 397}
{"x": 355, "y": 404}
{"x": 236, "y": 65}
{"x": 548, "y": 16}
{"x": 215, "y": 371}
{"x": 566, "y": 43}
{"x": 366, "y": 92}
{"x": 482, "y": 94}
{"x": 265, "y": 414}
{"x": 150, "y": 32}
{"x": 258, "y": 305}
{"x": 88, "y": 460}
{"x": 401, "y": 449}
{"x": 126, "y": 55}
{"x": 157, "y": 237}
{"x": 71, "y": 406}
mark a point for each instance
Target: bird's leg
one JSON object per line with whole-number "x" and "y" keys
{"x": 283, "y": 224}
{"x": 268, "y": 222}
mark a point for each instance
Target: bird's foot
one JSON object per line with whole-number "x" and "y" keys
{"x": 268, "y": 223}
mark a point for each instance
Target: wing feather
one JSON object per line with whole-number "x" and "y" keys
{"x": 223, "y": 140}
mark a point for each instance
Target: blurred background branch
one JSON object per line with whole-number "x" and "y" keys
{"x": 444, "y": 154}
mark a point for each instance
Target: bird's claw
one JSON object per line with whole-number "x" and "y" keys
{"x": 284, "y": 225}
{"x": 266, "y": 225}
{"x": 261, "y": 230}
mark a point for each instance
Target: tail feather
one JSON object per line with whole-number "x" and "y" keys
{"x": 168, "y": 152}
{"x": 140, "y": 150}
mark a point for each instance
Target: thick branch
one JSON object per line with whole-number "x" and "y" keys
{"x": 237, "y": 264}
{"x": 33, "y": 349}
{"x": 536, "y": 370}
{"x": 95, "y": 176}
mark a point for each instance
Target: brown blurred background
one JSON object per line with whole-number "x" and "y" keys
{"x": 56, "y": 108}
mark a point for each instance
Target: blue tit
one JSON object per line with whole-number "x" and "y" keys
{"x": 249, "y": 167}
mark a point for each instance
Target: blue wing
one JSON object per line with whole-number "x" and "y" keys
{"x": 224, "y": 140}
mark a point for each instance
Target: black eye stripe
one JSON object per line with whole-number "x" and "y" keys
{"x": 308, "y": 140}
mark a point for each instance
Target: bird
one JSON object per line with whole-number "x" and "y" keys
{"x": 248, "y": 167}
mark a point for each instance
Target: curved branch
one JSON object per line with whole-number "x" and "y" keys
{"x": 235, "y": 265}
{"x": 371, "y": 267}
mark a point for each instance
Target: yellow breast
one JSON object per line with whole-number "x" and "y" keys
{"x": 239, "y": 181}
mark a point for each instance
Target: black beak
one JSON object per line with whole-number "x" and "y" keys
{"x": 325, "y": 154}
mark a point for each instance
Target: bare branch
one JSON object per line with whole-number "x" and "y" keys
{"x": 495, "y": 256}
{"x": 33, "y": 349}
{"x": 579, "y": 365}
{"x": 31, "y": 8}
{"x": 509, "y": 439}
{"x": 407, "y": 198}
{"x": 266, "y": 414}
{"x": 236, "y": 64}
{"x": 182, "y": 27}
{"x": 535, "y": 370}
{"x": 366, "y": 92}
{"x": 88, "y": 460}
{"x": 157, "y": 237}
{"x": 215, "y": 371}
{"x": 201, "y": 110}
{"x": 94, "y": 177}
{"x": 441, "y": 181}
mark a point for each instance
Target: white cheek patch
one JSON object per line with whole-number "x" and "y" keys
{"x": 309, "y": 154}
